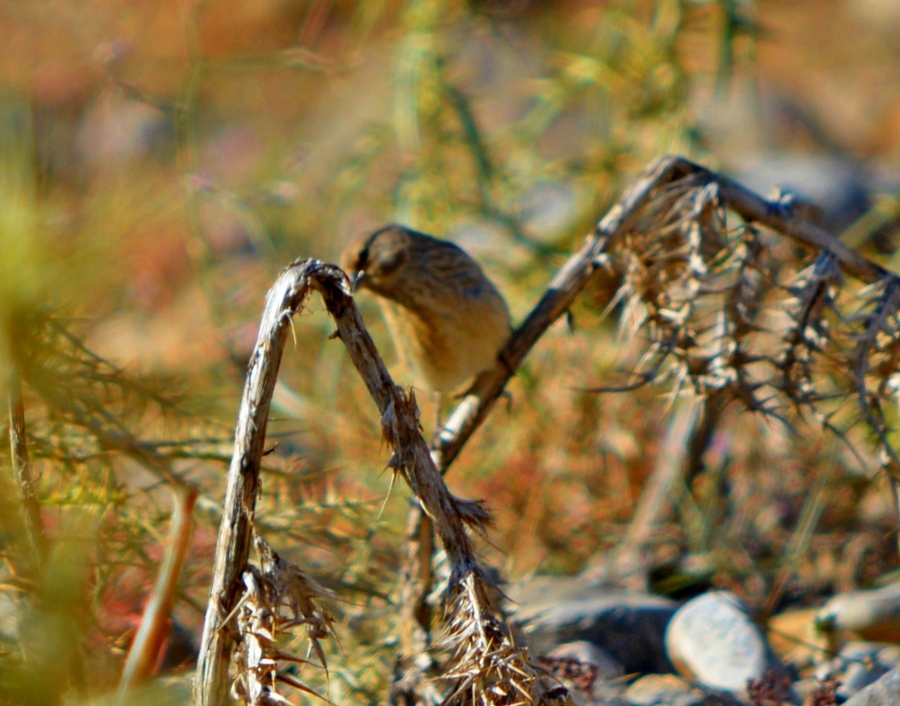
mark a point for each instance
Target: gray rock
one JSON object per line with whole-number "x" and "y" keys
{"x": 629, "y": 626}
{"x": 713, "y": 640}
{"x": 858, "y": 676}
{"x": 859, "y": 664}
{"x": 884, "y": 692}
{"x": 890, "y": 655}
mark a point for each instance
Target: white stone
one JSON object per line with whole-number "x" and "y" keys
{"x": 714, "y": 640}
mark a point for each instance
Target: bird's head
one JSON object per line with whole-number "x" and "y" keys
{"x": 377, "y": 260}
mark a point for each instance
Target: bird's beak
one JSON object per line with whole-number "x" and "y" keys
{"x": 356, "y": 280}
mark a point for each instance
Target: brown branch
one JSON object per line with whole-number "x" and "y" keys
{"x": 33, "y": 526}
{"x": 568, "y": 284}
{"x": 151, "y": 635}
{"x": 776, "y": 215}
{"x": 235, "y": 532}
{"x": 400, "y": 425}
{"x": 572, "y": 278}
{"x": 561, "y": 293}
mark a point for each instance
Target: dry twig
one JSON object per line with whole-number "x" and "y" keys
{"x": 151, "y": 634}
{"x": 30, "y": 507}
{"x": 468, "y": 587}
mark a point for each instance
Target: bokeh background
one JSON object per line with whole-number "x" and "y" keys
{"x": 162, "y": 161}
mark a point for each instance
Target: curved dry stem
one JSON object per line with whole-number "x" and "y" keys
{"x": 400, "y": 427}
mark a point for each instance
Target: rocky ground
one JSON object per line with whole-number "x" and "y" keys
{"x": 621, "y": 648}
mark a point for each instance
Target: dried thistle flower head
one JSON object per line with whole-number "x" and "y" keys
{"x": 446, "y": 317}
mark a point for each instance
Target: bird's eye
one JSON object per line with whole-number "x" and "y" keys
{"x": 391, "y": 262}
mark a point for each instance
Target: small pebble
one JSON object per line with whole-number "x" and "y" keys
{"x": 628, "y": 625}
{"x": 713, "y": 640}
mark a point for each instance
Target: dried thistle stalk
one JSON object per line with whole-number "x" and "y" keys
{"x": 725, "y": 307}
{"x": 277, "y": 597}
{"x": 264, "y": 595}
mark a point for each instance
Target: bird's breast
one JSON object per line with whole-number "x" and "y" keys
{"x": 449, "y": 345}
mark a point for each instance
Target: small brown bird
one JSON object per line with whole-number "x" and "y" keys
{"x": 446, "y": 317}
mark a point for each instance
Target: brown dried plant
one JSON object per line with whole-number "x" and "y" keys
{"x": 769, "y": 690}
{"x": 720, "y": 306}
{"x": 489, "y": 667}
{"x": 277, "y": 597}
{"x": 716, "y": 300}
{"x": 713, "y": 302}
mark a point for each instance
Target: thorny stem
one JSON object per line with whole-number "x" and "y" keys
{"x": 777, "y": 215}
{"x": 399, "y": 411}
{"x": 235, "y": 531}
{"x": 570, "y": 281}
{"x": 400, "y": 426}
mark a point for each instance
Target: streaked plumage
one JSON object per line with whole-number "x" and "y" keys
{"x": 446, "y": 317}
